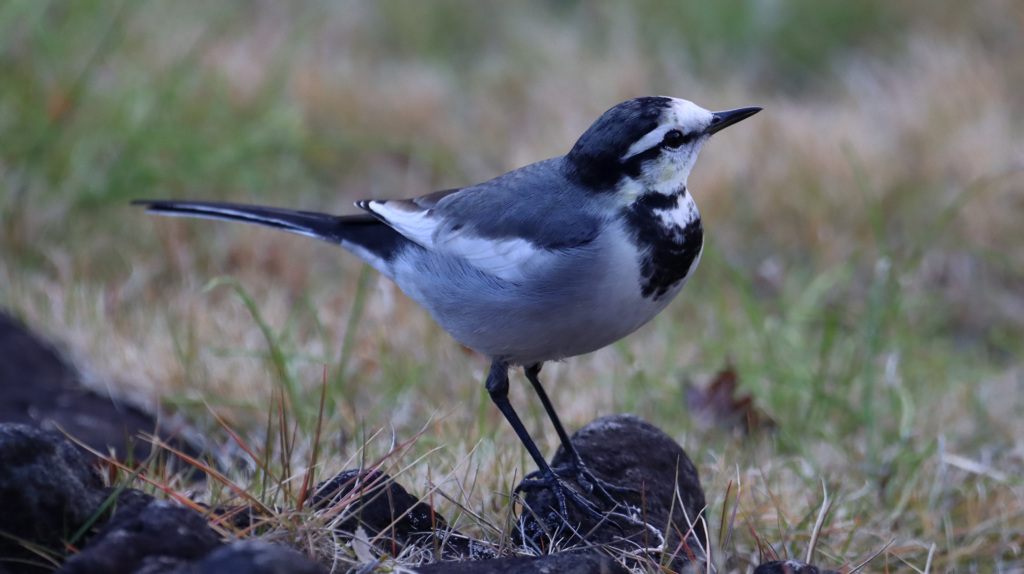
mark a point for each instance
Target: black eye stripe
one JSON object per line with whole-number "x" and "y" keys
{"x": 673, "y": 139}
{"x": 676, "y": 138}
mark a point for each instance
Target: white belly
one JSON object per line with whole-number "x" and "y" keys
{"x": 578, "y": 305}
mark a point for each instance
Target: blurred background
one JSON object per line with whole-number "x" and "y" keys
{"x": 863, "y": 273}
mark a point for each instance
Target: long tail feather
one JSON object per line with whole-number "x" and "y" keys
{"x": 365, "y": 235}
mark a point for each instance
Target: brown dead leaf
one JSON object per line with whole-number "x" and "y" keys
{"x": 719, "y": 404}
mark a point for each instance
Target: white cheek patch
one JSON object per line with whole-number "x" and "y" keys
{"x": 675, "y": 173}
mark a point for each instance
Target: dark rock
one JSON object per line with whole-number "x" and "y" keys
{"x": 790, "y": 567}
{"x": 648, "y": 467}
{"x": 40, "y": 389}
{"x": 552, "y": 563}
{"x": 243, "y": 517}
{"x": 162, "y": 565}
{"x": 47, "y": 491}
{"x": 252, "y": 557}
{"x": 391, "y": 515}
{"x": 129, "y": 500}
{"x": 142, "y": 530}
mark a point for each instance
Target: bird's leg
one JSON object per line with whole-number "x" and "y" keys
{"x": 497, "y": 387}
{"x": 532, "y": 372}
{"x": 583, "y": 476}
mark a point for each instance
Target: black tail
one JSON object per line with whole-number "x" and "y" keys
{"x": 367, "y": 236}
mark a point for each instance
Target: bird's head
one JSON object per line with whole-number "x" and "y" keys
{"x": 646, "y": 145}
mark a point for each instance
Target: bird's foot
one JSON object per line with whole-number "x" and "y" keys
{"x": 591, "y": 484}
{"x": 549, "y": 479}
{"x": 558, "y": 480}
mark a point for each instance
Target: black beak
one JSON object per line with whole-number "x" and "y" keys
{"x": 722, "y": 120}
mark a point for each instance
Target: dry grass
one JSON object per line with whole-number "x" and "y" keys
{"x": 863, "y": 270}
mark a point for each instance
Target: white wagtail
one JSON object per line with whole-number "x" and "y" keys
{"x": 555, "y": 259}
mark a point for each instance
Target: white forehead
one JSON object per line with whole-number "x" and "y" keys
{"x": 682, "y": 115}
{"x": 687, "y": 114}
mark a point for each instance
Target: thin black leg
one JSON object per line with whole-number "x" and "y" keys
{"x": 584, "y": 477}
{"x": 532, "y": 372}
{"x": 497, "y": 387}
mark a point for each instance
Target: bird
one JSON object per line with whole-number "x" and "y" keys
{"x": 552, "y": 260}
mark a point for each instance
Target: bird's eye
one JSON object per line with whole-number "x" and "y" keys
{"x": 674, "y": 139}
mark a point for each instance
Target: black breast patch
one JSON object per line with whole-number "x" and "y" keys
{"x": 667, "y": 252}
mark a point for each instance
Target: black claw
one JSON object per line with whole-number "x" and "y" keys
{"x": 561, "y": 491}
{"x": 590, "y": 483}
